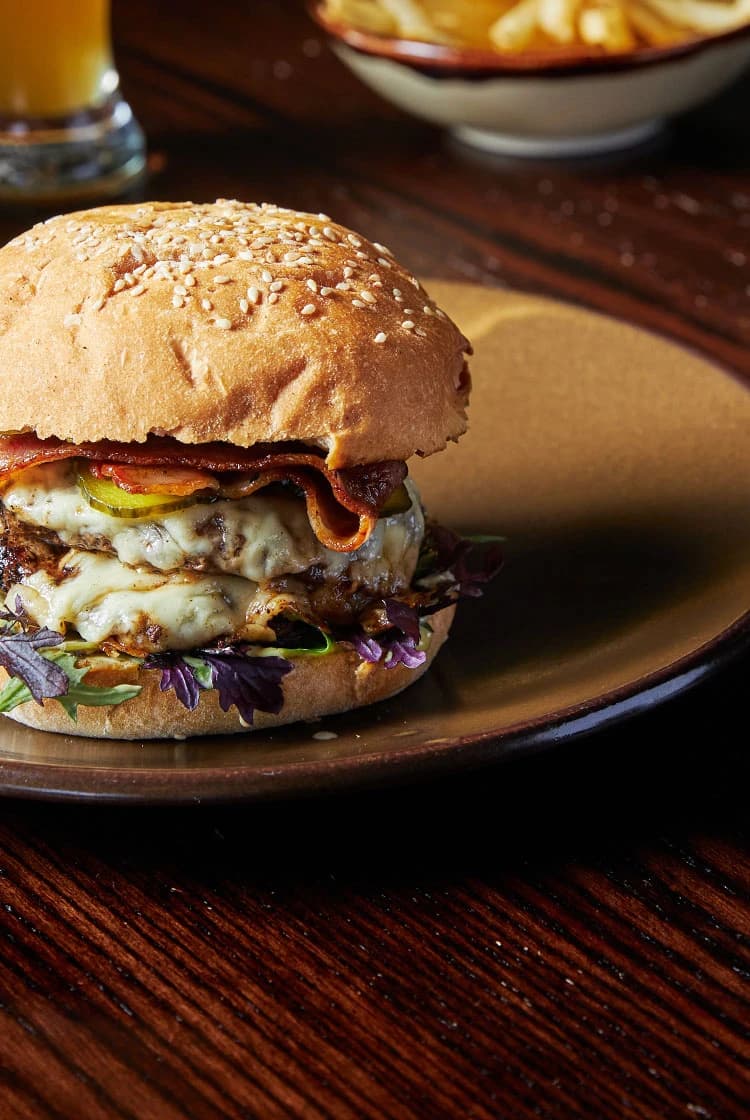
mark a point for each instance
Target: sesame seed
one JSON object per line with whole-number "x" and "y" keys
{"x": 308, "y": 309}
{"x": 277, "y": 286}
{"x": 329, "y": 233}
{"x": 266, "y": 276}
{"x": 343, "y": 286}
{"x": 358, "y": 303}
{"x": 312, "y": 285}
{"x": 382, "y": 249}
{"x": 353, "y": 240}
{"x": 222, "y": 279}
{"x": 408, "y": 325}
{"x": 397, "y": 292}
{"x": 221, "y": 258}
{"x": 138, "y": 290}
{"x": 179, "y": 290}
{"x": 178, "y": 301}
{"x": 368, "y": 297}
{"x": 380, "y": 337}
{"x": 118, "y": 285}
{"x": 207, "y": 305}
{"x": 223, "y": 324}
{"x": 408, "y": 311}
{"x": 244, "y": 306}
{"x": 326, "y": 291}
{"x": 253, "y": 295}
{"x": 382, "y": 261}
{"x": 99, "y": 304}
{"x": 427, "y": 309}
{"x": 274, "y": 297}
{"x": 245, "y": 254}
{"x": 348, "y": 272}
{"x": 190, "y": 281}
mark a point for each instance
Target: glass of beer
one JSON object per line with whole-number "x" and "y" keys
{"x": 65, "y": 129}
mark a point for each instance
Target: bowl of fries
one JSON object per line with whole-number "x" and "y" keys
{"x": 542, "y": 77}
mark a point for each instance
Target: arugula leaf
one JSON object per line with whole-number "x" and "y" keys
{"x": 17, "y": 692}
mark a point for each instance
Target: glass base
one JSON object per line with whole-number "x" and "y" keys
{"x": 94, "y": 154}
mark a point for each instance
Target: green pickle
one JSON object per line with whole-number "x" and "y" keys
{"x": 106, "y": 496}
{"x": 398, "y": 502}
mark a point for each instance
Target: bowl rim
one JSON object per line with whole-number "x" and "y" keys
{"x": 439, "y": 60}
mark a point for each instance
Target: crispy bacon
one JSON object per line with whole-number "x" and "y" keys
{"x": 342, "y": 505}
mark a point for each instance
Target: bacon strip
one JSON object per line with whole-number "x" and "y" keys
{"x": 342, "y": 505}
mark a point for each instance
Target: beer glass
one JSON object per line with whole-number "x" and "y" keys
{"x": 65, "y": 130}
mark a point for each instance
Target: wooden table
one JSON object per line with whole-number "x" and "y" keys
{"x": 565, "y": 937}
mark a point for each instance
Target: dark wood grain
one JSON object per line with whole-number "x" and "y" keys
{"x": 568, "y": 937}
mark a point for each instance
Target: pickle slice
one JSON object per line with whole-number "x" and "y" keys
{"x": 106, "y": 496}
{"x": 398, "y": 502}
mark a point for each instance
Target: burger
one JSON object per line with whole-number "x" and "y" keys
{"x": 206, "y": 519}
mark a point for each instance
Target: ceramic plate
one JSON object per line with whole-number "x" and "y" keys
{"x": 618, "y": 467}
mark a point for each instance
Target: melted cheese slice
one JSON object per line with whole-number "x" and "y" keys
{"x": 146, "y": 611}
{"x": 259, "y": 538}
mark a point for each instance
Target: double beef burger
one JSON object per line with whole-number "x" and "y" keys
{"x": 206, "y": 520}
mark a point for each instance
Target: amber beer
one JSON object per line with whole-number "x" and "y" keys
{"x": 55, "y": 57}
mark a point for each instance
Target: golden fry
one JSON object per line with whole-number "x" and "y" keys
{"x": 519, "y": 25}
{"x": 606, "y": 26}
{"x": 651, "y": 28}
{"x": 705, "y": 16}
{"x": 515, "y": 30}
{"x": 557, "y": 18}
{"x": 367, "y": 15}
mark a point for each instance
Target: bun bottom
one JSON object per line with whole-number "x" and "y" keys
{"x": 317, "y": 686}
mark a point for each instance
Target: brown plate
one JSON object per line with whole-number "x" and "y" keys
{"x": 618, "y": 467}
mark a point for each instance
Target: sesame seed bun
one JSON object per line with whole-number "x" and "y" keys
{"x": 317, "y": 686}
{"x": 225, "y": 321}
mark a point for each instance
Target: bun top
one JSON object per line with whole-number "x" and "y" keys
{"x": 225, "y": 321}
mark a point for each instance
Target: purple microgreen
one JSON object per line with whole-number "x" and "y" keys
{"x": 403, "y": 617}
{"x": 177, "y": 675}
{"x": 20, "y": 658}
{"x": 247, "y": 683}
{"x": 241, "y": 680}
{"x": 403, "y": 651}
{"x": 364, "y": 644}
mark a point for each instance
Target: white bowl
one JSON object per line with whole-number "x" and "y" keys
{"x": 537, "y": 105}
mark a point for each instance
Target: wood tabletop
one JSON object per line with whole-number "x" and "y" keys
{"x": 567, "y": 936}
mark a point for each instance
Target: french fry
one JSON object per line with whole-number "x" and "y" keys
{"x": 367, "y": 15}
{"x": 606, "y": 26}
{"x": 557, "y": 18}
{"x": 519, "y": 25}
{"x": 515, "y": 30}
{"x": 705, "y": 16}
{"x": 651, "y": 28}
{"x": 412, "y": 21}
